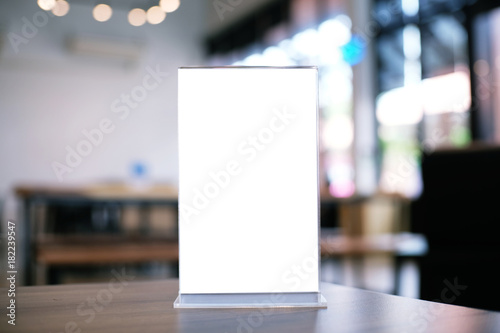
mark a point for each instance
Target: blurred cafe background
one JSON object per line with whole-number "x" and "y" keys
{"x": 409, "y": 104}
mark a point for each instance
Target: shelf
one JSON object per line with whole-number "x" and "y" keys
{"x": 401, "y": 244}
{"x": 110, "y": 192}
{"x": 81, "y": 250}
{"x": 77, "y": 250}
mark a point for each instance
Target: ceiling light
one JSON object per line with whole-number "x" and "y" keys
{"x": 155, "y": 15}
{"x": 46, "y": 4}
{"x": 102, "y": 12}
{"x": 61, "y": 8}
{"x": 137, "y": 17}
{"x": 169, "y": 5}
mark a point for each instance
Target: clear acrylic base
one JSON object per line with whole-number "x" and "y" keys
{"x": 251, "y": 300}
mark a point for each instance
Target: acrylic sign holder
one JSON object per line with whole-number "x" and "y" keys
{"x": 248, "y": 187}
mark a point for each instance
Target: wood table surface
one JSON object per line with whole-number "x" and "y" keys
{"x": 123, "y": 305}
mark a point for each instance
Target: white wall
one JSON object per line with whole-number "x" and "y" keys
{"x": 49, "y": 95}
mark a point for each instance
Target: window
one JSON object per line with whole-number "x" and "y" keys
{"x": 424, "y": 86}
{"x": 330, "y": 46}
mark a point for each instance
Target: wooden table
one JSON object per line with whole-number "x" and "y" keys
{"x": 131, "y": 306}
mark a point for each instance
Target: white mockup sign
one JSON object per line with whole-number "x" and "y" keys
{"x": 248, "y": 187}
